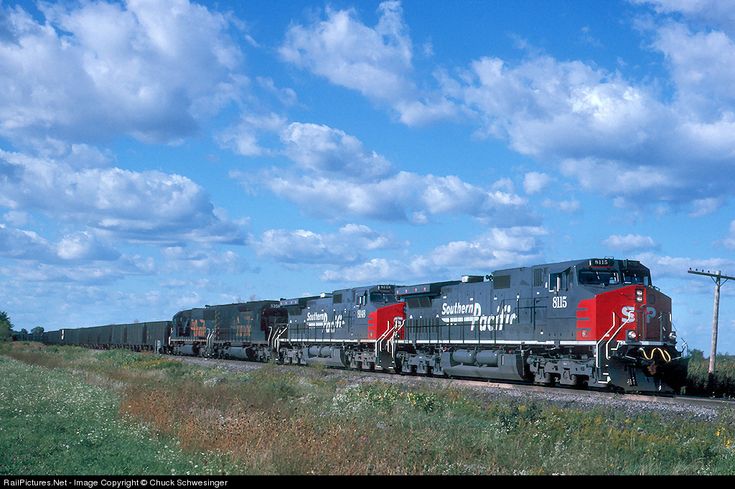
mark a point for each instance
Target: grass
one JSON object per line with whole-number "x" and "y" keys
{"x": 54, "y": 423}
{"x": 720, "y": 384}
{"x": 167, "y": 416}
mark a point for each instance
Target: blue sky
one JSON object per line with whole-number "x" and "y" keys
{"x": 161, "y": 155}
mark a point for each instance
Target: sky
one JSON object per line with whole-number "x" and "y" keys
{"x": 162, "y": 155}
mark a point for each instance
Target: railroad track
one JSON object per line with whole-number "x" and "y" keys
{"x": 566, "y": 396}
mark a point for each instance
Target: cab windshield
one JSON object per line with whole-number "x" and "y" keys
{"x": 378, "y": 297}
{"x": 589, "y": 276}
{"x": 636, "y": 277}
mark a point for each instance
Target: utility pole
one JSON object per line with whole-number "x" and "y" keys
{"x": 717, "y": 277}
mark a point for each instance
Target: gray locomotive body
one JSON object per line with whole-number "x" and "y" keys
{"x": 336, "y": 329}
{"x": 597, "y": 322}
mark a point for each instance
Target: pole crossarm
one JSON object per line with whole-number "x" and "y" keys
{"x": 710, "y": 274}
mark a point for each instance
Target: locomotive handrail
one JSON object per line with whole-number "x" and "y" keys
{"x": 391, "y": 331}
{"x": 398, "y": 322}
{"x": 607, "y": 345}
{"x": 275, "y": 340}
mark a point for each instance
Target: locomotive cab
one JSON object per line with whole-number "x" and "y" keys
{"x": 630, "y": 322}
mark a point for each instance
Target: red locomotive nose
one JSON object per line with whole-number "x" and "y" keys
{"x": 383, "y": 319}
{"x": 632, "y": 314}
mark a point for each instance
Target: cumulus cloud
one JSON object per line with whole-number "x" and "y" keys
{"x": 80, "y": 257}
{"x": 244, "y": 138}
{"x": 534, "y": 182}
{"x": 326, "y": 150}
{"x": 202, "y": 260}
{"x": 335, "y": 176}
{"x": 497, "y": 248}
{"x": 375, "y": 61}
{"x": 572, "y": 113}
{"x": 150, "y": 69}
{"x": 720, "y": 13}
{"x": 149, "y": 206}
{"x": 24, "y": 245}
{"x": 346, "y": 245}
{"x": 402, "y": 196}
{"x": 665, "y": 266}
{"x": 84, "y": 246}
{"x": 629, "y": 242}
{"x": 703, "y": 67}
{"x": 618, "y": 137}
{"x": 703, "y": 207}
{"x": 570, "y": 206}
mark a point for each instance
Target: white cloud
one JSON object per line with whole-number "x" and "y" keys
{"x": 397, "y": 197}
{"x": 151, "y": 69}
{"x": 375, "y": 61}
{"x": 24, "y": 245}
{"x": 245, "y": 137}
{"x": 703, "y": 207}
{"x": 80, "y": 257}
{"x": 720, "y": 13}
{"x": 664, "y": 266}
{"x": 203, "y": 260}
{"x": 149, "y": 206}
{"x": 571, "y": 205}
{"x": 534, "y": 182}
{"x": 543, "y": 107}
{"x": 703, "y": 68}
{"x": 330, "y": 151}
{"x": 347, "y": 245}
{"x": 629, "y": 242}
{"x": 498, "y": 248}
{"x": 84, "y": 246}
{"x": 336, "y": 177}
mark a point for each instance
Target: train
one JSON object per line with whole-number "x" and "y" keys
{"x": 588, "y": 323}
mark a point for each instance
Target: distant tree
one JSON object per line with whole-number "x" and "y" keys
{"x": 24, "y": 331}
{"x": 697, "y": 354}
{"x": 5, "y": 326}
{"x": 37, "y": 332}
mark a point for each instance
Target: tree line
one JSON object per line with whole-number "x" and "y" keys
{"x": 7, "y": 333}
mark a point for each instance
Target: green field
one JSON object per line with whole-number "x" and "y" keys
{"x": 66, "y": 410}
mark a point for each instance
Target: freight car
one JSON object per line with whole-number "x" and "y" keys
{"x": 145, "y": 336}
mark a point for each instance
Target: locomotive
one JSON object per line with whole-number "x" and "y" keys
{"x": 596, "y": 322}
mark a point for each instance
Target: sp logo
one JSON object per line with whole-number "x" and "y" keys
{"x": 628, "y": 314}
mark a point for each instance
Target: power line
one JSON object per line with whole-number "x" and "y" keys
{"x": 718, "y": 279}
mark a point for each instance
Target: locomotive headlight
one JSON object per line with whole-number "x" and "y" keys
{"x": 672, "y": 335}
{"x": 632, "y": 335}
{"x": 639, "y": 295}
